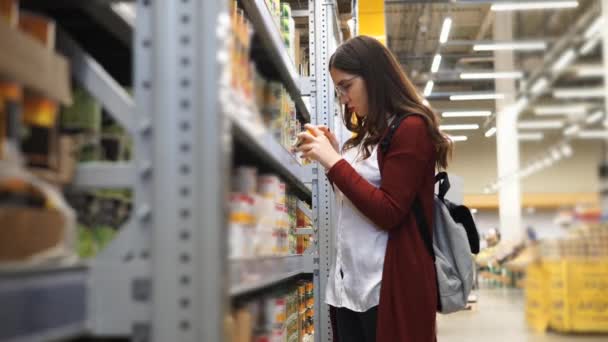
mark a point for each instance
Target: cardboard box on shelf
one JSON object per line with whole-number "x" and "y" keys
{"x": 29, "y": 63}
{"x": 9, "y": 12}
{"x": 27, "y": 232}
{"x": 38, "y": 26}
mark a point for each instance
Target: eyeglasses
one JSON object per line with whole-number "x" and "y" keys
{"x": 341, "y": 90}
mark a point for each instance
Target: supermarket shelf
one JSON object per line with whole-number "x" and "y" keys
{"x": 29, "y": 63}
{"x": 98, "y": 82}
{"x": 105, "y": 175}
{"x": 259, "y": 141}
{"x": 251, "y": 275}
{"x": 270, "y": 35}
{"x": 306, "y": 210}
{"x": 43, "y": 303}
{"x": 304, "y": 231}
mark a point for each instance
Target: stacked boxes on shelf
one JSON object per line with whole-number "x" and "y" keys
{"x": 567, "y": 289}
{"x": 284, "y": 315}
{"x": 263, "y": 218}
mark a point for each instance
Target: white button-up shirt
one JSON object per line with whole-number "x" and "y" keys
{"x": 360, "y": 247}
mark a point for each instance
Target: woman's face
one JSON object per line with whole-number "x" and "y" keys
{"x": 351, "y": 91}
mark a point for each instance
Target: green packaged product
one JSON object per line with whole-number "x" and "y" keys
{"x": 83, "y": 115}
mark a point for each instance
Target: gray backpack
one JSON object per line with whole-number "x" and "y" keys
{"x": 454, "y": 240}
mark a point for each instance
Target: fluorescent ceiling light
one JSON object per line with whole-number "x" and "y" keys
{"x": 539, "y": 86}
{"x": 560, "y": 110}
{"x": 540, "y": 124}
{"x": 535, "y": 5}
{"x": 567, "y": 151}
{"x": 426, "y": 102}
{"x": 522, "y": 46}
{"x": 491, "y": 75}
{"x": 589, "y": 46}
{"x": 595, "y": 117}
{"x": 458, "y": 127}
{"x": 537, "y": 136}
{"x": 573, "y": 129}
{"x": 572, "y": 93}
{"x": 469, "y": 113}
{"x": 428, "y": 89}
{"x": 445, "y": 30}
{"x": 588, "y": 70}
{"x": 490, "y": 132}
{"x": 520, "y": 105}
{"x": 456, "y": 138}
{"x": 556, "y": 154}
{"x": 594, "y": 28}
{"x": 436, "y": 63}
{"x": 564, "y": 60}
{"x": 465, "y": 97}
{"x": 593, "y": 134}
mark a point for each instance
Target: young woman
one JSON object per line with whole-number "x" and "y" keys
{"x": 382, "y": 284}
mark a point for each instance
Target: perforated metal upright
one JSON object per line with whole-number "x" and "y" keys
{"x": 178, "y": 57}
{"x": 323, "y": 39}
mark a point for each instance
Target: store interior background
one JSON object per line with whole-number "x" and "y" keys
{"x": 187, "y": 216}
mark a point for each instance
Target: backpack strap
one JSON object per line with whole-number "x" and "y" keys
{"x": 385, "y": 143}
{"x": 423, "y": 227}
{"x": 444, "y": 184}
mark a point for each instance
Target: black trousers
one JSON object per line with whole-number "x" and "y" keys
{"x": 356, "y": 326}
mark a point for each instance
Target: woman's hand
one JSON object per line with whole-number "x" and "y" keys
{"x": 317, "y": 146}
{"x": 332, "y": 138}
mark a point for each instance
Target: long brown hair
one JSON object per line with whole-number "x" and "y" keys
{"x": 389, "y": 92}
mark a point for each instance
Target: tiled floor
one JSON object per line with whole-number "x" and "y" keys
{"x": 498, "y": 317}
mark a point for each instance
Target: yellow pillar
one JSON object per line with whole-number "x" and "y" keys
{"x": 371, "y": 19}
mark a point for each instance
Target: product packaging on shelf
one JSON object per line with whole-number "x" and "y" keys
{"x": 283, "y": 315}
{"x": 37, "y": 224}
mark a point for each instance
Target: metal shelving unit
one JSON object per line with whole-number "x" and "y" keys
{"x": 248, "y": 276}
{"x": 268, "y": 31}
{"x": 43, "y": 303}
{"x": 164, "y": 277}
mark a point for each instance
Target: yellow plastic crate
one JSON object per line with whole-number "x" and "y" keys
{"x": 579, "y": 295}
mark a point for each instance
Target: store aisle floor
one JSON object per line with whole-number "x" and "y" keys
{"x": 498, "y": 317}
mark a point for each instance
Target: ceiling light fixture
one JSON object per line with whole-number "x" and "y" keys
{"x": 521, "y": 46}
{"x": 539, "y": 86}
{"x": 458, "y": 127}
{"x": 465, "y": 97}
{"x": 590, "y": 45}
{"x": 572, "y": 130}
{"x": 456, "y": 138}
{"x": 428, "y": 89}
{"x": 445, "y": 30}
{"x": 540, "y": 124}
{"x": 588, "y": 70}
{"x": 537, "y": 136}
{"x": 560, "y": 110}
{"x": 595, "y": 117}
{"x": 567, "y": 151}
{"x": 563, "y": 61}
{"x": 465, "y": 114}
{"x": 490, "y": 132}
{"x": 594, "y": 27}
{"x": 436, "y": 63}
{"x": 535, "y": 5}
{"x": 491, "y": 75}
{"x": 593, "y": 134}
{"x": 575, "y": 93}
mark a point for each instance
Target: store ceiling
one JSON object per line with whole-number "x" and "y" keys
{"x": 413, "y": 30}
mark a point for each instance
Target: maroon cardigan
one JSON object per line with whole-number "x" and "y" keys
{"x": 408, "y": 294}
